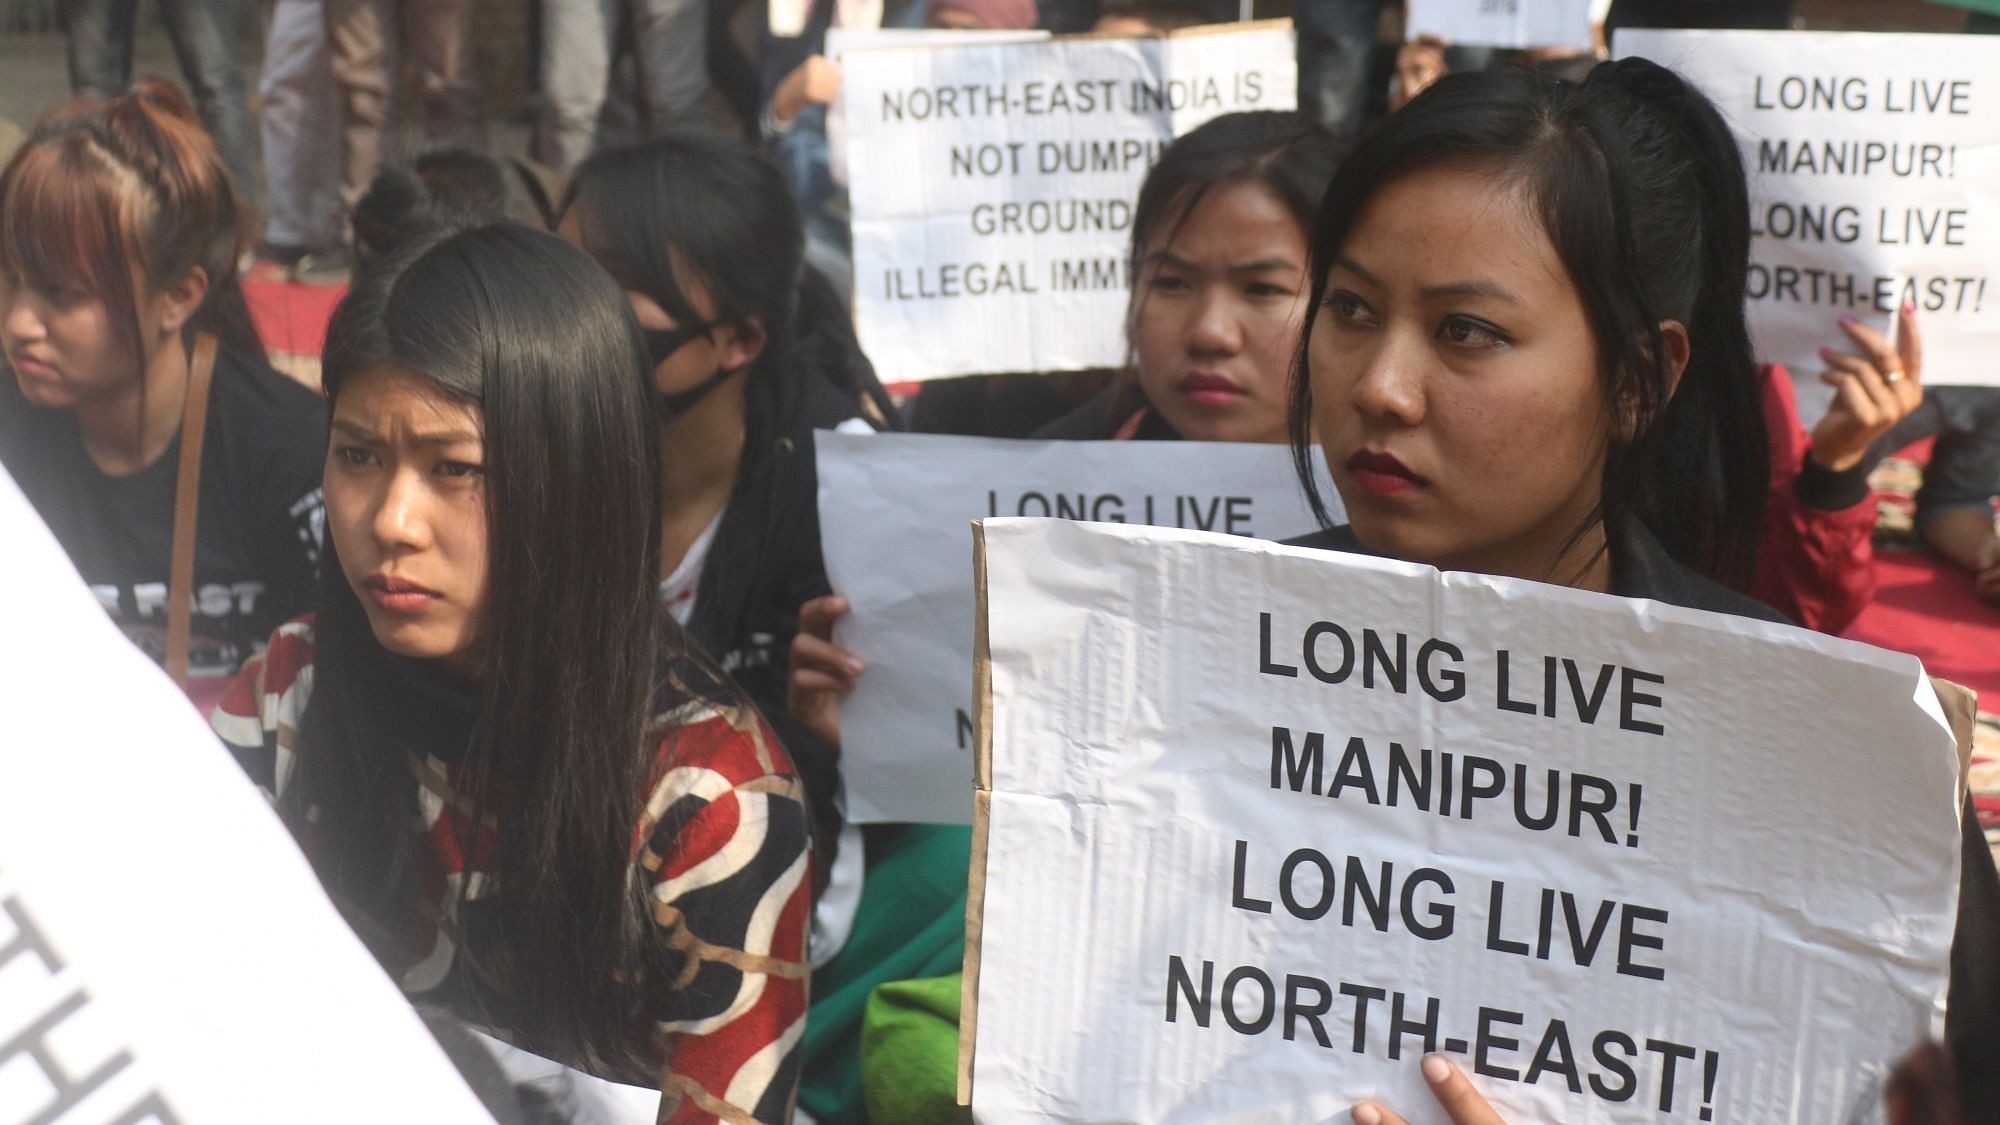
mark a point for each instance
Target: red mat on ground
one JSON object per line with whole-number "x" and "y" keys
{"x": 1926, "y": 607}
{"x": 289, "y": 316}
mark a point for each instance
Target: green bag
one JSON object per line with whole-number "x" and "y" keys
{"x": 909, "y": 1053}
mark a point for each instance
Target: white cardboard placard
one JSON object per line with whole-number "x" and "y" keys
{"x": 166, "y": 954}
{"x": 1503, "y": 23}
{"x": 1874, "y": 168}
{"x": 839, "y": 41}
{"x": 992, "y": 186}
{"x": 895, "y": 515}
{"x": 1189, "y": 734}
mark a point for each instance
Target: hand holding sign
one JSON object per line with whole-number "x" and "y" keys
{"x": 822, "y": 672}
{"x": 1872, "y": 391}
{"x": 1455, "y": 1096}
{"x": 815, "y": 81}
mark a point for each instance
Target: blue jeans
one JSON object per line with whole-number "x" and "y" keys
{"x": 1336, "y": 48}
{"x": 1964, "y": 471}
{"x": 207, "y": 39}
{"x": 802, "y": 156}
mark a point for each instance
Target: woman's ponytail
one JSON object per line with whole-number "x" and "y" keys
{"x": 1685, "y": 183}
{"x": 1639, "y": 186}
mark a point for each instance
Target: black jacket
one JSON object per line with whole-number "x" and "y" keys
{"x": 1098, "y": 417}
{"x": 1642, "y": 568}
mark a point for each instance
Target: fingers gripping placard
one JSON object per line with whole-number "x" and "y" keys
{"x": 1266, "y": 825}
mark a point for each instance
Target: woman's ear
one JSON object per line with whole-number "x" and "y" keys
{"x": 1675, "y": 343}
{"x": 1674, "y": 335}
{"x": 740, "y": 342}
{"x": 181, "y": 298}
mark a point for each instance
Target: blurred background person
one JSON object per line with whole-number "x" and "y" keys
{"x": 206, "y": 36}
{"x": 119, "y": 236}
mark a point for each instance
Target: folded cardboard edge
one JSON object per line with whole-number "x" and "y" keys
{"x": 982, "y": 804}
{"x": 1200, "y": 30}
{"x": 1961, "y": 710}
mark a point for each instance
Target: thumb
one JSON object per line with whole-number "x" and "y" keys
{"x": 817, "y": 616}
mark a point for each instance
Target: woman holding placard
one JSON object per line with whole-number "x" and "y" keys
{"x": 1526, "y": 356}
{"x": 540, "y": 808}
{"x": 749, "y": 352}
{"x": 1219, "y": 253}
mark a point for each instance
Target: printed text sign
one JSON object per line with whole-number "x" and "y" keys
{"x": 1874, "y": 166}
{"x": 1266, "y": 825}
{"x": 993, "y": 185}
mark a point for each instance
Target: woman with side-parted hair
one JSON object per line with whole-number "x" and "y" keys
{"x": 1526, "y": 356}
{"x": 1218, "y": 268}
{"x": 540, "y": 807}
{"x": 119, "y": 237}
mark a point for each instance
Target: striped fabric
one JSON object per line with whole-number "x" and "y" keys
{"x": 722, "y": 843}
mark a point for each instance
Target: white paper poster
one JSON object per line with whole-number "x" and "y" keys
{"x": 166, "y": 955}
{"x": 1265, "y": 825}
{"x": 839, "y": 41}
{"x": 992, "y": 186}
{"x": 1874, "y": 166}
{"x": 1503, "y": 23}
{"x": 895, "y": 526}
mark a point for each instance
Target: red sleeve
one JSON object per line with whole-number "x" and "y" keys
{"x": 1816, "y": 557}
{"x": 732, "y": 890}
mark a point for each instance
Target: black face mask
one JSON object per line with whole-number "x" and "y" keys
{"x": 661, "y": 344}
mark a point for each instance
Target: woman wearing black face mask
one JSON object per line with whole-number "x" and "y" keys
{"x": 751, "y": 353}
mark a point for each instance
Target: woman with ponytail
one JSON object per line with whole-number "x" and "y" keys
{"x": 541, "y": 809}
{"x": 119, "y": 238}
{"x": 1525, "y": 355}
{"x": 749, "y": 351}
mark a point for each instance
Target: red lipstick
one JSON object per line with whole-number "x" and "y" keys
{"x": 398, "y": 595}
{"x": 1208, "y": 388}
{"x": 1383, "y": 475}
{"x": 30, "y": 367}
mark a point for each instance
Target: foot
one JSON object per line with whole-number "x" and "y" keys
{"x": 331, "y": 266}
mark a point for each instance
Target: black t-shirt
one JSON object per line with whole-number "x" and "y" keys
{"x": 257, "y": 533}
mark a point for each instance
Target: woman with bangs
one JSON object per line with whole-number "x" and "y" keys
{"x": 544, "y": 811}
{"x": 119, "y": 237}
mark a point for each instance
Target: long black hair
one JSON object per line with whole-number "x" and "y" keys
{"x": 1287, "y": 154}
{"x": 691, "y": 206}
{"x": 697, "y": 207}
{"x": 528, "y": 330}
{"x": 1638, "y": 184}
{"x": 724, "y": 214}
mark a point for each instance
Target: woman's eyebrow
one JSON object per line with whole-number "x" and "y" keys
{"x": 416, "y": 437}
{"x": 1476, "y": 287}
{"x": 1259, "y": 265}
{"x": 1351, "y": 266}
{"x": 1473, "y": 288}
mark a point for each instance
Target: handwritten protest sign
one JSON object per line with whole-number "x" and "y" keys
{"x": 166, "y": 955}
{"x": 1503, "y": 23}
{"x": 1874, "y": 165}
{"x": 992, "y": 186}
{"x": 895, "y": 511}
{"x": 1277, "y": 822}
